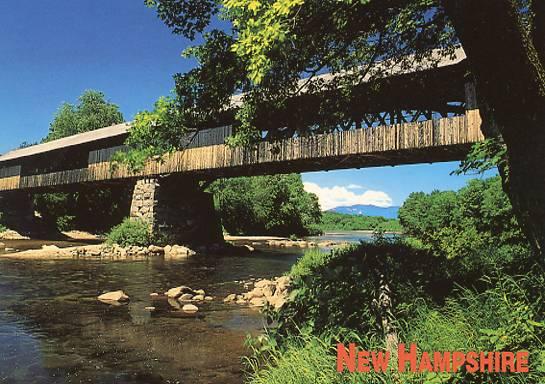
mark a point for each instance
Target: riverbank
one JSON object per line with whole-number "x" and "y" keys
{"x": 82, "y": 245}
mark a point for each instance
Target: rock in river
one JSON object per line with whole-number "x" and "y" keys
{"x": 185, "y": 297}
{"x": 230, "y": 298}
{"x": 190, "y": 308}
{"x": 115, "y": 296}
{"x": 176, "y": 292}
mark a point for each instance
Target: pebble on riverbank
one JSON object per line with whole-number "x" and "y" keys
{"x": 266, "y": 292}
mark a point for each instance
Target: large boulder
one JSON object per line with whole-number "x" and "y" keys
{"x": 155, "y": 249}
{"x": 177, "y": 251}
{"x": 277, "y": 301}
{"x": 263, "y": 283}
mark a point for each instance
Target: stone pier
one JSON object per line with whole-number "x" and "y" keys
{"x": 177, "y": 208}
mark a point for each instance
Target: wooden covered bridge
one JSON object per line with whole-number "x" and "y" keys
{"x": 435, "y": 120}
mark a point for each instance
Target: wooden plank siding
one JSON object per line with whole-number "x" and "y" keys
{"x": 9, "y": 177}
{"x": 406, "y": 143}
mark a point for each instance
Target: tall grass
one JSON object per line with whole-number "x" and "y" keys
{"x": 308, "y": 359}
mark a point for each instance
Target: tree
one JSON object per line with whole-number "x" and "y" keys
{"x": 475, "y": 225}
{"x": 271, "y": 45}
{"x": 89, "y": 208}
{"x": 275, "y": 205}
{"x": 92, "y": 112}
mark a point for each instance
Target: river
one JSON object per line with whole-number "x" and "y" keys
{"x": 53, "y": 330}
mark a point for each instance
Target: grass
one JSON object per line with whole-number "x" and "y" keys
{"x": 306, "y": 360}
{"x": 504, "y": 314}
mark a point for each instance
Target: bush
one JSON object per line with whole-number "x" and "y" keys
{"x": 503, "y": 317}
{"x": 131, "y": 232}
{"x": 65, "y": 222}
{"x": 336, "y": 291}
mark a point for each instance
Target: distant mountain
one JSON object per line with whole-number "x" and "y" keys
{"x": 367, "y": 210}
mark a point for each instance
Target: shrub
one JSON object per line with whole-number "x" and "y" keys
{"x": 503, "y": 317}
{"x": 131, "y": 232}
{"x": 65, "y": 222}
{"x": 338, "y": 290}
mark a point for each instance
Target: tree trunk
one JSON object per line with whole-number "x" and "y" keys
{"x": 510, "y": 81}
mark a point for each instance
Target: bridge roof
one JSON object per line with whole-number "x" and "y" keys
{"x": 434, "y": 61}
{"x": 70, "y": 141}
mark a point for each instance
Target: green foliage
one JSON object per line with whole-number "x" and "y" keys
{"x": 92, "y": 112}
{"x": 274, "y": 205}
{"x": 335, "y": 291}
{"x": 308, "y": 359}
{"x": 505, "y": 316}
{"x": 485, "y": 155}
{"x": 131, "y": 232}
{"x": 474, "y": 221}
{"x": 439, "y": 298}
{"x": 55, "y": 209}
{"x": 88, "y": 208}
{"x": 153, "y": 133}
{"x": 270, "y": 44}
{"x": 333, "y": 221}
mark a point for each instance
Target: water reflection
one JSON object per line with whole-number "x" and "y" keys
{"x": 53, "y": 330}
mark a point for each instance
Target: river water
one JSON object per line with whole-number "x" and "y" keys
{"x": 53, "y": 330}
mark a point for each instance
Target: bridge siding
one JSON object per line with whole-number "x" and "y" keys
{"x": 397, "y": 142}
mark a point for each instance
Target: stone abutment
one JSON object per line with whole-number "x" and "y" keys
{"x": 177, "y": 209}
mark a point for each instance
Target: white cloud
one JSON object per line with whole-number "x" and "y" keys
{"x": 340, "y": 196}
{"x": 354, "y": 186}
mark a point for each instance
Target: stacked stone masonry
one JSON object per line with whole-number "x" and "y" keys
{"x": 177, "y": 209}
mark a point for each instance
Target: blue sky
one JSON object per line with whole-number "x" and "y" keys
{"x": 53, "y": 50}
